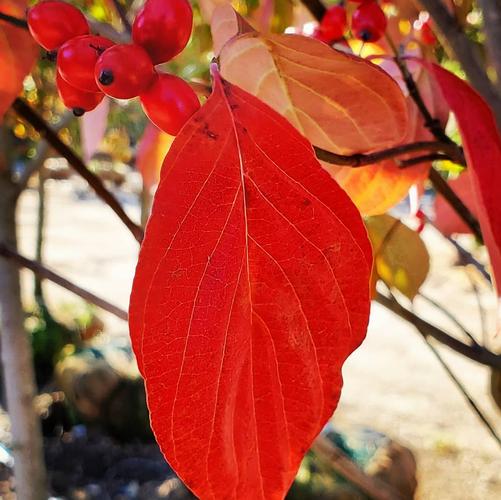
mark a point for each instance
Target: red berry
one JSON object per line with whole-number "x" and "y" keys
{"x": 77, "y": 58}
{"x": 318, "y": 34}
{"x": 368, "y": 22}
{"x": 124, "y": 71}
{"x": 169, "y": 102}
{"x": 77, "y": 100}
{"x": 425, "y": 34}
{"x": 163, "y": 28}
{"x": 52, "y": 23}
{"x": 333, "y": 24}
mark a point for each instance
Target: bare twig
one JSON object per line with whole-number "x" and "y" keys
{"x": 463, "y": 391}
{"x": 491, "y": 10}
{"x": 481, "y": 310}
{"x": 449, "y": 315}
{"x": 423, "y": 159}
{"x": 123, "y": 15}
{"x": 316, "y": 8}
{"x": 476, "y": 353}
{"x": 343, "y": 465}
{"x": 465, "y": 53}
{"x": 360, "y": 159}
{"x": 15, "y": 21}
{"x": 468, "y": 258}
{"x": 442, "y": 187}
{"x": 42, "y": 150}
{"x": 44, "y": 273}
{"x": 39, "y": 124}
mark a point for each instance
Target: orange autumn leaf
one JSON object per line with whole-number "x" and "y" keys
{"x": 18, "y": 53}
{"x": 152, "y": 148}
{"x": 377, "y": 188}
{"x": 326, "y": 94}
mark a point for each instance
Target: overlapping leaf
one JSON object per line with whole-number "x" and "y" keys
{"x": 151, "y": 152}
{"x": 401, "y": 259}
{"x": 339, "y": 102}
{"x": 251, "y": 290}
{"x": 482, "y": 143}
{"x": 18, "y": 53}
{"x": 447, "y": 221}
{"x": 326, "y": 94}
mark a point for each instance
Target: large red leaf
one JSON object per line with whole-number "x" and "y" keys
{"x": 18, "y": 53}
{"x": 482, "y": 144}
{"x": 251, "y": 290}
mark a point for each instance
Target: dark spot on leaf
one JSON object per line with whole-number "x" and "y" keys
{"x": 306, "y": 202}
{"x": 208, "y": 132}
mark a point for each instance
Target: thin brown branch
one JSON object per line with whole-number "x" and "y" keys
{"x": 44, "y": 273}
{"x": 476, "y": 353}
{"x": 15, "y": 21}
{"x": 360, "y": 160}
{"x": 316, "y": 8}
{"x": 449, "y": 315}
{"x": 491, "y": 10}
{"x": 123, "y": 15}
{"x": 41, "y": 126}
{"x": 442, "y": 187}
{"x": 465, "y": 52}
{"x": 463, "y": 391}
{"x": 42, "y": 150}
{"x": 423, "y": 159}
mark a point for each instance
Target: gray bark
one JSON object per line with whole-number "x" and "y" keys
{"x": 19, "y": 378}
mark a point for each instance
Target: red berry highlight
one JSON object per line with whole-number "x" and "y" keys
{"x": 52, "y": 23}
{"x": 169, "y": 103}
{"x": 124, "y": 71}
{"x": 368, "y": 22}
{"x": 333, "y": 24}
{"x": 425, "y": 34}
{"x": 77, "y": 58}
{"x": 77, "y": 100}
{"x": 163, "y": 28}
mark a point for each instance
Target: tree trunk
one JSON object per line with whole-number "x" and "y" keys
{"x": 17, "y": 360}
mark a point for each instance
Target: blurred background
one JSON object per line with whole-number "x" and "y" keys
{"x": 401, "y": 419}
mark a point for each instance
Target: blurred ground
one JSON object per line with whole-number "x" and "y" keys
{"x": 392, "y": 383}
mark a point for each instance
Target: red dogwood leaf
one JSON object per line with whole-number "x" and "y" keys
{"x": 482, "y": 144}
{"x": 18, "y": 53}
{"x": 251, "y": 290}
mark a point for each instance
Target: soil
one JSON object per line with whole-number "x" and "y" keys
{"x": 393, "y": 383}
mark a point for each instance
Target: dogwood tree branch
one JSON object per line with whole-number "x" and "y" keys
{"x": 443, "y": 188}
{"x": 464, "y": 51}
{"x": 315, "y": 7}
{"x": 492, "y": 21}
{"x": 476, "y": 353}
{"x": 23, "y": 109}
{"x": 359, "y": 160}
{"x": 15, "y": 21}
{"x": 462, "y": 389}
{"x": 123, "y": 15}
{"x": 44, "y": 273}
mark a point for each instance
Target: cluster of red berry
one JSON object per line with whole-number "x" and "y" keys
{"x": 89, "y": 66}
{"x": 368, "y": 22}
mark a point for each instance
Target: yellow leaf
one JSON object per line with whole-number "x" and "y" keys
{"x": 401, "y": 259}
